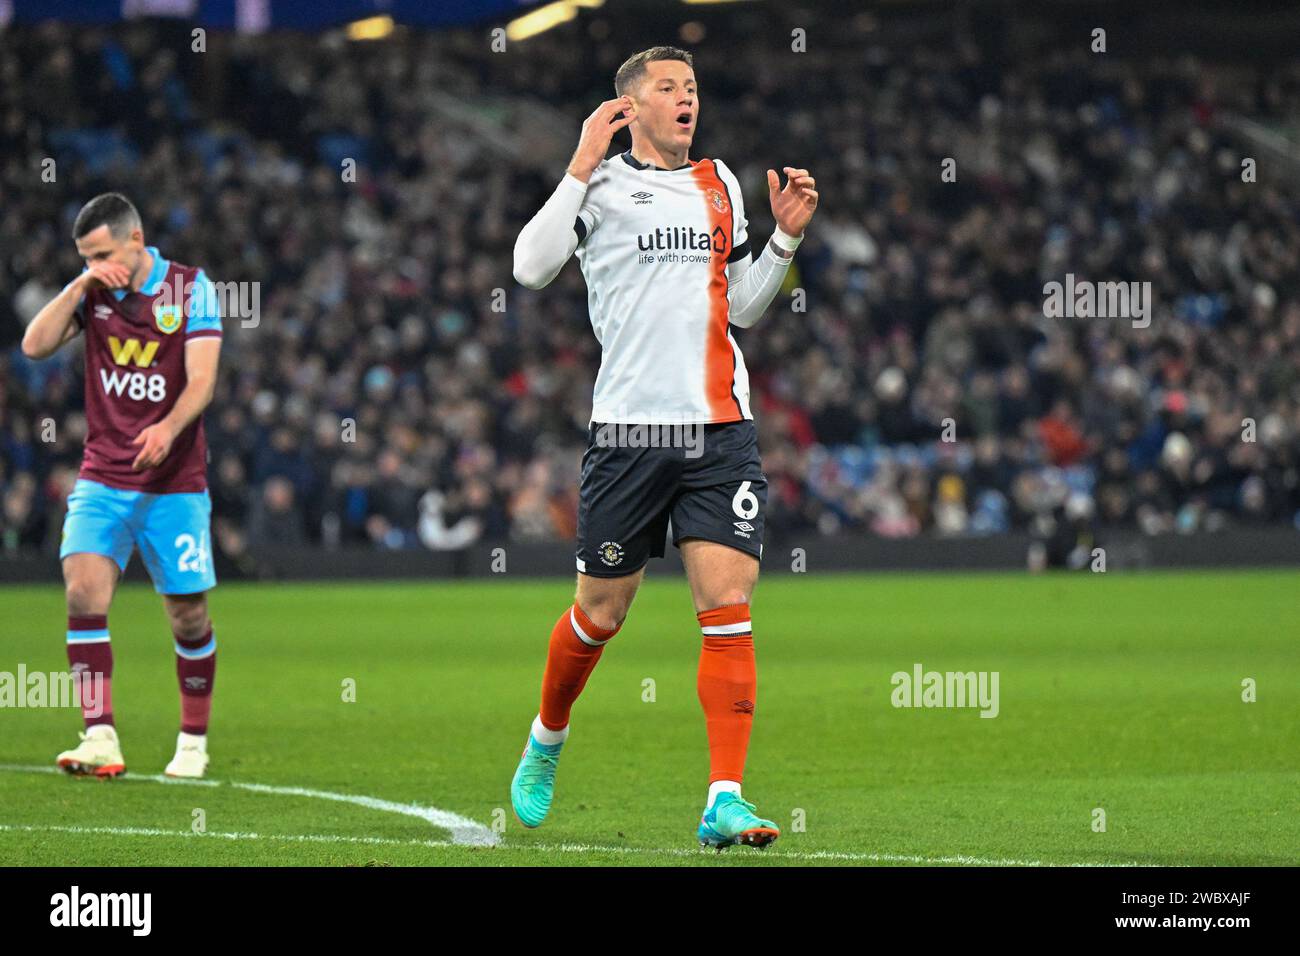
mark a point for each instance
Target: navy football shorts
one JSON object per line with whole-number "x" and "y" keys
{"x": 703, "y": 481}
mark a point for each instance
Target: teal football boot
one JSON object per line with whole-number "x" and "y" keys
{"x": 534, "y": 782}
{"x": 731, "y": 822}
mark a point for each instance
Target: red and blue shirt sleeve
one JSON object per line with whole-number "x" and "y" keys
{"x": 204, "y": 318}
{"x": 79, "y": 313}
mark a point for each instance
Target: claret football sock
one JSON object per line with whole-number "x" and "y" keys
{"x": 196, "y": 669}
{"x": 576, "y": 645}
{"x": 90, "y": 655}
{"x": 727, "y": 684}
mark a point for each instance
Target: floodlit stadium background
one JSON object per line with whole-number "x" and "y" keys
{"x": 389, "y": 301}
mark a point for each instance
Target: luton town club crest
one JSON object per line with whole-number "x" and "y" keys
{"x": 168, "y": 317}
{"x": 718, "y": 200}
{"x": 611, "y": 552}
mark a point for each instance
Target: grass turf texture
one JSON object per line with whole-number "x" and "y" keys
{"x": 1120, "y": 692}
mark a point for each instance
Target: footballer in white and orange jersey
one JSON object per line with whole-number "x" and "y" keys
{"x": 663, "y": 242}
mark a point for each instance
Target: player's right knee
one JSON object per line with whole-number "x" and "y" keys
{"x": 86, "y": 596}
{"x": 606, "y": 601}
{"x": 605, "y": 607}
{"x": 607, "y": 615}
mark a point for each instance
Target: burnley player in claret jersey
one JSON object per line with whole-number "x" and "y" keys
{"x": 664, "y": 246}
{"x": 152, "y": 339}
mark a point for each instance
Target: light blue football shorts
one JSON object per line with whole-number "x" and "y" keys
{"x": 172, "y": 532}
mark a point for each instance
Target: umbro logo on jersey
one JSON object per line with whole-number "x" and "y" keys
{"x": 743, "y": 525}
{"x": 642, "y": 198}
{"x": 103, "y": 311}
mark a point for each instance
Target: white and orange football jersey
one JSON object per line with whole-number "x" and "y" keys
{"x": 654, "y": 245}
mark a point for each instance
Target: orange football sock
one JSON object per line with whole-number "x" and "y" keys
{"x": 575, "y": 648}
{"x": 727, "y": 684}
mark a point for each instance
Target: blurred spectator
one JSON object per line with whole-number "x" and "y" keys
{"x": 276, "y": 518}
{"x": 382, "y": 399}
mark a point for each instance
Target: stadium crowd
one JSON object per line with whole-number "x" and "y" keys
{"x": 388, "y": 394}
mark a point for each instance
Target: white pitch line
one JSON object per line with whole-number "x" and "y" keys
{"x": 829, "y": 855}
{"x": 219, "y": 835}
{"x": 463, "y": 830}
{"x": 473, "y": 837}
{"x": 542, "y": 847}
{"x": 817, "y": 855}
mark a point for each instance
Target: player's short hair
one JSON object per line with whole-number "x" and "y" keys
{"x": 633, "y": 70}
{"x": 107, "y": 209}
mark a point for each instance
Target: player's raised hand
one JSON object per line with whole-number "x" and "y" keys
{"x": 107, "y": 275}
{"x": 793, "y": 206}
{"x": 598, "y": 129}
{"x": 157, "y": 441}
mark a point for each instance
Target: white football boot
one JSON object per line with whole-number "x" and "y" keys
{"x": 191, "y": 758}
{"x": 99, "y": 753}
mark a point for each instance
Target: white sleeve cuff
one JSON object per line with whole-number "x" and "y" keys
{"x": 576, "y": 183}
{"x": 786, "y": 242}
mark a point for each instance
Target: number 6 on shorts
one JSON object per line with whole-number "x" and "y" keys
{"x": 745, "y": 504}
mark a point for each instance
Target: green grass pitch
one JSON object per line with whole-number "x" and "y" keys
{"x": 1119, "y": 692}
